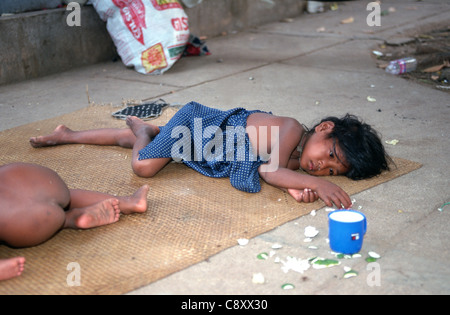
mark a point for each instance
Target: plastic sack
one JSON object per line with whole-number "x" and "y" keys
{"x": 149, "y": 35}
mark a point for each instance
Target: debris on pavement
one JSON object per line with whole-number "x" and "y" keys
{"x": 371, "y": 99}
{"x": 277, "y": 246}
{"x": 377, "y": 53}
{"x": 391, "y": 142}
{"x": 311, "y": 231}
{"x": 242, "y": 241}
{"x": 441, "y": 208}
{"x": 295, "y": 264}
{"x": 349, "y": 273}
{"x": 196, "y": 47}
{"x": 320, "y": 263}
{"x": 263, "y": 256}
{"x": 374, "y": 255}
{"x": 401, "y": 66}
{"x": 258, "y": 278}
{"x": 348, "y": 20}
{"x": 288, "y": 286}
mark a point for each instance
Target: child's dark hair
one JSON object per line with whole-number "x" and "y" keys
{"x": 361, "y": 146}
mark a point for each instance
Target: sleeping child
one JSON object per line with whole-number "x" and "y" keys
{"x": 247, "y": 146}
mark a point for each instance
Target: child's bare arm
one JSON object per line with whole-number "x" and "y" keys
{"x": 288, "y": 179}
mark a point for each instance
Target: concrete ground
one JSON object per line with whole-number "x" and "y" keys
{"x": 292, "y": 69}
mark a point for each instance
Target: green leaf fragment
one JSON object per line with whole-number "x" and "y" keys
{"x": 373, "y": 257}
{"x": 325, "y": 263}
{"x": 343, "y": 256}
{"x": 263, "y": 256}
{"x": 349, "y": 274}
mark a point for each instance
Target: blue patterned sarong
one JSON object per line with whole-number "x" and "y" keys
{"x": 212, "y": 142}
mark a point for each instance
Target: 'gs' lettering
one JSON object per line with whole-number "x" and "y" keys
{"x": 180, "y": 24}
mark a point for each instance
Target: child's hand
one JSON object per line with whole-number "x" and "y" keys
{"x": 331, "y": 193}
{"x": 305, "y": 195}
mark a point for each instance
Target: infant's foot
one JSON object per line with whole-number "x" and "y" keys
{"x": 55, "y": 138}
{"x": 140, "y": 128}
{"x": 11, "y": 268}
{"x": 103, "y": 213}
{"x": 137, "y": 203}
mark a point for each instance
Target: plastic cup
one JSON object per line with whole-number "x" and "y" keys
{"x": 346, "y": 231}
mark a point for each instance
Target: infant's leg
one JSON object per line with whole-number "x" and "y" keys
{"x": 102, "y": 213}
{"x": 136, "y": 203}
{"x": 39, "y": 221}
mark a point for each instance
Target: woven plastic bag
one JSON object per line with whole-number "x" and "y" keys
{"x": 150, "y": 35}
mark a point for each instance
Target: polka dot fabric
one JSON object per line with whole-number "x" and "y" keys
{"x": 197, "y": 135}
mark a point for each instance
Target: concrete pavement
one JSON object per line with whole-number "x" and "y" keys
{"x": 295, "y": 70}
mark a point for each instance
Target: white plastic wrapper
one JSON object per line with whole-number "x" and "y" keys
{"x": 150, "y": 35}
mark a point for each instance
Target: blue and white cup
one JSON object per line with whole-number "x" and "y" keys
{"x": 346, "y": 231}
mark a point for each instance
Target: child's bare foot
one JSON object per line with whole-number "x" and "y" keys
{"x": 140, "y": 128}
{"x": 136, "y": 203}
{"x": 11, "y": 268}
{"x": 55, "y": 138}
{"x": 103, "y": 213}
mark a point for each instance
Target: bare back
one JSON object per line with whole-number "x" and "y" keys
{"x": 266, "y": 138}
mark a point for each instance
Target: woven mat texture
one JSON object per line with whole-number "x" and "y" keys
{"x": 190, "y": 218}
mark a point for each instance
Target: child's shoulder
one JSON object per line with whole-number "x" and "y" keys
{"x": 290, "y": 129}
{"x": 289, "y": 125}
{"x": 266, "y": 119}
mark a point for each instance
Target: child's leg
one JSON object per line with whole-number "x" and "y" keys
{"x": 62, "y": 135}
{"x": 11, "y": 268}
{"x": 137, "y": 203}
{"x": 125, "y": 138}
{"x": 95, "y": 215}
{"x": 144, "y": 134}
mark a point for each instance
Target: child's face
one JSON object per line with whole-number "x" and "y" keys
{"x": 321, "y": 157}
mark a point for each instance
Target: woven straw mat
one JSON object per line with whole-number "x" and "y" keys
{"x": 190, "y": 218}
